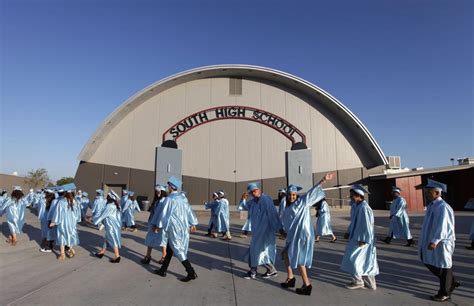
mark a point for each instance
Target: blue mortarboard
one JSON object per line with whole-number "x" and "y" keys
{"x": 215, "y": 194}
{"x": 17, "y": 188}
{"x": 282, "y": 190}
{"x": 131, "y": 193}
{"x": 125, "y": 191}
{"x": 359, "y": 190}
{"x": 68, "y": 187}
{"x": 396, "y": 189}
{"x": 49, "y": 190}
{"x": 437, "y": 185}
{"x": 252, "y": 186}
{"x": 160, "y": 187}
{"x": 175, "y": 182}
{"x": 293, "y": 188}
{"x": 221, "y": 193}
{"x": 113, "y": 195}
{"x": 85, "y": 194}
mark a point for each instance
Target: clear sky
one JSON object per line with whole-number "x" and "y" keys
{"x": 405, "y": 68}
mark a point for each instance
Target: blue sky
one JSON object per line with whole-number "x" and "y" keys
{"x": 405, "y": 68}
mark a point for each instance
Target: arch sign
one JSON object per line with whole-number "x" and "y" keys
{"x": 235, "y": 112}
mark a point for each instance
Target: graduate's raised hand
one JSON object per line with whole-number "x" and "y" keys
{"x": 192, "y": 229}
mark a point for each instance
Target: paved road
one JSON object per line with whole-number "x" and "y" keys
{"x": 29, "y": 277}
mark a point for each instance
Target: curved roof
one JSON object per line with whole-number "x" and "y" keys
{"x": 281, "y": 78}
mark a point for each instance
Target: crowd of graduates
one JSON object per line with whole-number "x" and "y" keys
{"x": 171, "y": 220}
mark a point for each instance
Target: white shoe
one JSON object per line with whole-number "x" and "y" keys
{"x": 44, "y": 250}
{"x": 353, "y": 286}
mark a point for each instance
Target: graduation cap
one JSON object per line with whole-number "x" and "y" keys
{"x": 293, "y": 188}
{"x": 85, "y": 194}
{"x": 359, "y": 189}
{"x": 436, "y": 185}
{"x": 17, "y": 188}
{"x": 282, "y": 190}
{"x": 131, "y": 193}
{"x": 396, "y": 189}
{"x": 252, "y": 186}
{"x": 113, "y": 195}
{"x": 175, "y": 182}
{"x": 221, "y": 193}
{"x": 159, "y": 187}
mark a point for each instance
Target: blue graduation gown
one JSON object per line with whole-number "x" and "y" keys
{"x": 399, "y": 223}
{"x": 219, "y": 215}
{"x": 361, "y": 261}
{"x": 299, "y": 228}
{"x": 265, "y": 222}
{"x": 248, "y": 223}
{"x": 128, "y": 212}
{"x": 111, "y": 217}
{"x": 323, "y": 224}
{"x": 13, "y": 209}
{"x": 97, "y": 206}
{"x": 43, "y": 218}
{"x": 471, "y": 234}
{"x": 281, "y": 207}
{"x": 65, "y": 218}
{"x": 84, "y": 205}
{"x": 153, "y": 239}
{"x": 438, "y": 228}
{"x": 175, "y": 218}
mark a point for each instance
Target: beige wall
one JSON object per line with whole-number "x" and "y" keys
{"x": 216, "y": 149}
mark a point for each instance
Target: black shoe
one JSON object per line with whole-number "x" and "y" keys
{"x": 191, "y": 275}
{"x": 146, "y": 260}
{"x": 98, "y": 255}
{"x": 440, "y": 298}
{"x": 160, "y": 272}
{"x": 115, "y": 260}
{"x": 410, "y": 242}
{"x": 290, "y": 283}
{"x": 387, "y": 240}
{"x": 250, "y": 275}
{"x": 305, "y": 290}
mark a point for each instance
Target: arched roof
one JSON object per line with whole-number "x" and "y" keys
{"x": 339, "y": 110}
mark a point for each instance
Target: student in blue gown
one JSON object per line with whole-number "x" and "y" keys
{"x": 212, "y": 219}
{"x": 177, "y": 219}
{"x": 12, "y": 207}
{"x": 323, "y": 223}
{"x": 98, "y": 206}
{"x": 247, "y": 227}
{"x": 123, "y": 199}
{"x": 360, "y": 256}
{"x": 30, "y": 197}
{"x": 436, "y": 246}
{"x": 299, "y": 246}
{"x": 128, "y": 213}
{"x": 224, "y": 215}
{"x": 84, "y": 205}
{"x": 111, "y": 217}
{"x": 43, "y": 211}
{"x": 399, "y": 222}
{"x": 152, "y": 239}
{"x": 265, "y": 223}
{"x": 281, "y": 202}
{"x": 65, "y": 220}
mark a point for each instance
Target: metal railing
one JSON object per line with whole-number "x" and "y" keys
{"x": 334, "y": 202}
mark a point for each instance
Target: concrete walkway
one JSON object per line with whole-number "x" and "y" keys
{"x": 29, "y": 277}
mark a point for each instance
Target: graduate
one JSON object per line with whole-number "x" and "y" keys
{"x": 220, "y": 215}
{"x": 399, "y": 222}
{"x": 3, "y": 197}
{"x": 265, "y": 222}
{"x": 323, "y": 223}
{"x": 98, "y": 206}
{"x": 177, "y": 219}
{"x": 65, "y": 220}
{"x": 124, "y": 198}
{"x": 212, "y": 219}
{"x": 437, "y": 238}
{"x": 128, "y": 212}
{"x": 153, "y": 239}
{"x": 112, "y": 218}
{"x": 84, "y": 205}
{"x": 282, "y": 202}
{"x": 299, "y": 246}
{"x": 44, "y": 207}
{"x": 360, "y": 256}
{"x": 30, "y": 197}
{"x": 224, "y": 215}
{"x": 12, "y": 207}
{"x": 247, "y": 227}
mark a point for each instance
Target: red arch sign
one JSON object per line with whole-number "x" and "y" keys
{"x": 235, "y": 113}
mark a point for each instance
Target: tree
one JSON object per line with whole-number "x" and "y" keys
{"x": 37, "y": 178}
{"x": 64, "y": 180}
